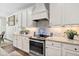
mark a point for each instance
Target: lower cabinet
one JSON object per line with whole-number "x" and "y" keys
{"x": 53, "y": 48}
{"x": 70, "y": 50}
{"x": 61, "y": 49}
{"x": 15, "y": 42}
{"x": 21, "y": 42}
{"x": 25, "y": 45}
{"x": 53, "y": 51}
{"x": 68, "y": 53}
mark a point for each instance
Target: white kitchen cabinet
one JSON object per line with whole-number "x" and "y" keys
{"x": 70, "y": 50}
{"x": 70, "y": 13}
{"x": 77, "y": 53}
{"x": 68, "y": 53}
{"x": 19, "y": 21}
{"x": 29, "y": 14}
{"x": 55, "y": 14}
{"x": 26, "y": 15}
{"x": 25, "y": 45}
{"x": 64, "y": 14}
{"x": 15, "y": 41}
{"x": 53, "y": 48}
{"x": 24, "y": 18}
{"x": 19, "y": 42}
{"x": 53, "y": 51}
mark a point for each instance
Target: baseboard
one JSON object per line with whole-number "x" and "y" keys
{"x": 8, "y": 39}
{"x": 21, "y": 51}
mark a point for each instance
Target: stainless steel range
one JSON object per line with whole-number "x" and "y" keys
{"x": 37, "y": 43}
{"x": 37, "y": 47}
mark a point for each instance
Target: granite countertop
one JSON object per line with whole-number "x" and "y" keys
{"x": 24, "y": 35}
{"x": 63, "y": 40}
{"x": 54, "y": 38}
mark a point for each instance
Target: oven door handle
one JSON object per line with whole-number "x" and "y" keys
{"x": 37, "y": 41}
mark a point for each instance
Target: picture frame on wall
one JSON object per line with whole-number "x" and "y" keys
{"x": 11, "y": 20}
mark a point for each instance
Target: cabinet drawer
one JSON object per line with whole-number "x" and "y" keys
{"x": 71, "y": 47}
{"x": 53, "y": 44}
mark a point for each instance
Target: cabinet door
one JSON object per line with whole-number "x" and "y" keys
{"x": 55, "y": 14}
{"x": 70, "y": 50}
{"x": 19, "y": 15}
{"x": 77, "y": 53}
{"x": 19, "y": 42}
{"x": 16, "y": 22}
{"x": 25, "y": 44}
{"x": 24, "y": 18}
{"x": 15, "y": 42}
{"x": 71, "y": 13}
{"x": 53, "y": 51}
{"x": 29, "y": 14}
{"x": 68, "y": 53}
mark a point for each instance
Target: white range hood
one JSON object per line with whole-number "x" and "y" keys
{"x": 40, "y": 11}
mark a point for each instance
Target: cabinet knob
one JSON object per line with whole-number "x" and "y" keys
{"x": 75, "y": 48}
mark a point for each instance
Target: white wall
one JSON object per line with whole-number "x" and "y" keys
{"x": 2, "y": 24}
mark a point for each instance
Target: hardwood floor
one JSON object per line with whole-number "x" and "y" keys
{"x": 7, "y": 49}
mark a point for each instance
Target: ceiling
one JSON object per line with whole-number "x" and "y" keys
{"x": 8, "y": 8}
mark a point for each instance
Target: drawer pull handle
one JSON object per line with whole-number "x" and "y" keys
{"x": 75, "y": 49}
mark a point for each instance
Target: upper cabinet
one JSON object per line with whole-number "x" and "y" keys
{"x": 55, "y": 14}
{"x": 70, "y": 13}
{"x": 64, "y": 14}
{"x": 30, "y": 19}
{"x": 26, "y": 16}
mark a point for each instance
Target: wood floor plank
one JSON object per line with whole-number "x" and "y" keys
{"x": 10, "y": 50}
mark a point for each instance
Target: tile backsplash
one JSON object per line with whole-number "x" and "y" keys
{"x": 57, "y": 30}
{"x": 32, "y": 30}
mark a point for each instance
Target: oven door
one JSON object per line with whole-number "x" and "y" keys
{"x": 37, "y": 47}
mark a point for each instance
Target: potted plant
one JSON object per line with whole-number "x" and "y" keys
{"x": 24, "y": 31}
{"x": 70, "y": 34}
